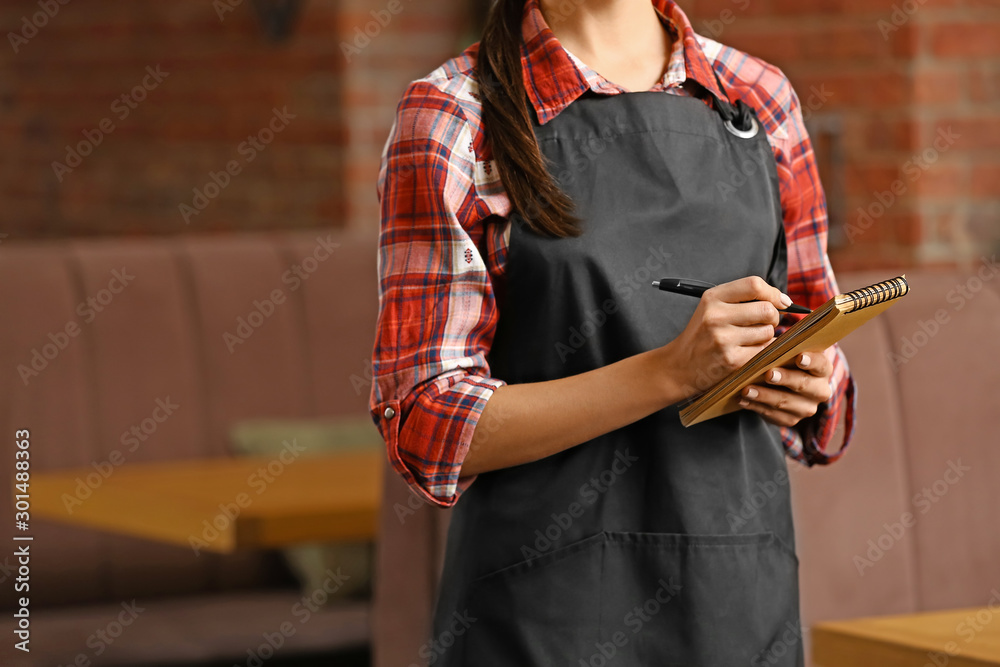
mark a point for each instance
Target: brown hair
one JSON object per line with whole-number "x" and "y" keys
{"x": 532, "y": 190}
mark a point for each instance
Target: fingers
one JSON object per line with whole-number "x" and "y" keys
{"x": 814, "y": 388}
{"x": 793, "y": 396}
{"x": 751, "y": 288}
{"x": 757, "y": 336}
{"x": 814, "y": 363}
{"x": 777, "y": 406}
{"x": 749, "y": 314}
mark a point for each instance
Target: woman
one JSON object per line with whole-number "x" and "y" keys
{"x": 527, "y": 373}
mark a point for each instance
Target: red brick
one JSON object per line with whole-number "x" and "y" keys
{"x": 904, "y": 42}
{"x": 943, "y": 180}
{"x": 713, "y": 9}
{"x": 985, "y": 181}
{"x": 909, "y": 229}
{"x": 884, "y": 257}
{"x": 871, "y": 88}
{"x": 853, "y": 7}
{"x": 863, "y": 180}
{"x": 966, "y": 39}
{"x": 980, "y": 133}
{"x": 814, "y": 7}
{"x": 225, "y": 77}
{"x": 984, "y": 225}
{"x": 882, "y": 134}
{"x": 843, "y": 42}
{"x": 984, "y": 82}
{"x": 778, "y": 47}
{"x": 939, "y": 85}
{"x": 871, "y": 221}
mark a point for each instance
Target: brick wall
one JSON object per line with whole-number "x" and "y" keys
{"x": 418, "y": 39}
{"x": 202, "y": 82}
{"x": 881, "y": 81}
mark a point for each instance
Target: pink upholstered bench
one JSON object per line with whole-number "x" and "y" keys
{"x": 160, "y": 335}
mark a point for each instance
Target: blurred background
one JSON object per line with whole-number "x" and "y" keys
{"x": 877, "y": 81}
{"x": 223, "y": 151}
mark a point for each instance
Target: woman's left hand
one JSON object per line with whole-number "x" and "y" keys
{"x": 792, "y": 393}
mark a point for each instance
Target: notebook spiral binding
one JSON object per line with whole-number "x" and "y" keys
{"x": 878, "y": 293}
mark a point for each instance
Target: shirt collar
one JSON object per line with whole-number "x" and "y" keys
{"x": 554, "y": 78}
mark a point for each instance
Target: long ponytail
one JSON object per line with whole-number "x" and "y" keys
{"x": 532, "y": 190}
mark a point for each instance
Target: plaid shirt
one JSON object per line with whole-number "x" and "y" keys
{"x": 444, "y": 230}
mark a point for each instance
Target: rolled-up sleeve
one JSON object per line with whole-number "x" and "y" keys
{"x": 811, "y": 282}
{"x": 437, "y": 311}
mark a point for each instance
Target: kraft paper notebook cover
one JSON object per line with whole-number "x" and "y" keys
{"x": 822, "y": 328}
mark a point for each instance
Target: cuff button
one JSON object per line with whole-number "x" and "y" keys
{"x": 389, "y": 413}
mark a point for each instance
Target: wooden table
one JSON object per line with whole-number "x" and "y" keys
{"x": 222, "y": 504}
{"x": 956, "y": 638}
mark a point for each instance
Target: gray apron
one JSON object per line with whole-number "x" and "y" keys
{"x": 636, "y": 547}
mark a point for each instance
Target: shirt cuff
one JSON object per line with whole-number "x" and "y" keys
{"x": 428, "y": 434}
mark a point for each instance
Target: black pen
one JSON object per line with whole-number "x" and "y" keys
{"x": 696, "y": 288}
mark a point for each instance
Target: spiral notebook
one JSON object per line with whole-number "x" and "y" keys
{"x": 817, "y": 331}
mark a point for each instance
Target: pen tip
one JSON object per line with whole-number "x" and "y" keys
{"x": 656, "y": 283}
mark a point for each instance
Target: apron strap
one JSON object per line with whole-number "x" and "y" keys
{"x": 739, "y": 116}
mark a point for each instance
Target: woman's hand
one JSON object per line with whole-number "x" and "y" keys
{"x": 733, "y": 322}
{"x": 794, "y": 392}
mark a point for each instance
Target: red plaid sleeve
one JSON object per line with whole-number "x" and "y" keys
{"x": 811, "y": 281}
{"x": 437, "y": 311}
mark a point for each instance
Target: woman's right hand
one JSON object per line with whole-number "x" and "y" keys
{"x": 733, "y": 322}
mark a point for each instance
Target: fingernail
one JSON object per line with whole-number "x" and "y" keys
{"x": 805, "y": 361}
{"x": 744, "y": 402}
{"x": 775, "y": 375}
{"x": 785, "y": 300}
{"x": 752, "y": 393}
